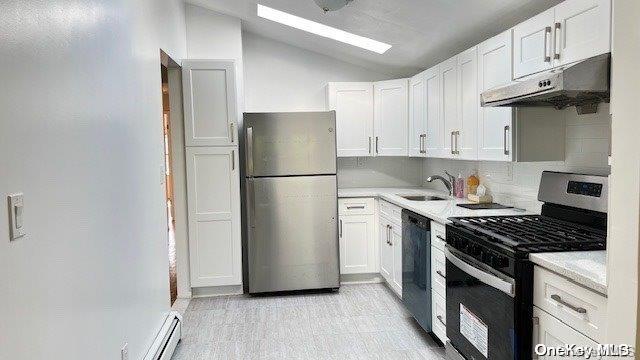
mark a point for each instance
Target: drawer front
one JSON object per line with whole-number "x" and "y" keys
{"x": 356, "y": 206}
{"x": 391, "y": 211}
{"x": 580, "y": 308}
{"x": 552, "y": 332}
{"x": 438, "y": 273}
{"x": 438, "y": 235}
{"x": 439, "y": 316}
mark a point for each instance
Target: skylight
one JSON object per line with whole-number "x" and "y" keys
{"x": 322, "y": 30}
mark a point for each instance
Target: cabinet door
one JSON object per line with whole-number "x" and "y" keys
{"x": 396, "y": 244}
{"x": 582, "y": 29}
{"x": 213, "y": 197}
{"x": 466, "y": 136}
{"x": 494, "y": 123}
{"x": 210, "y": 110}
{"x": 353, "y": 103}
{"x": 434, "y": 134}
{"x": 552, "y": 332}
{"x": 386, "y": 250}
{"x": 417, "y": 116}
{"x": 357, "y": 244}
{"x": 449, "y": 104}
{"x": 391, "y": 117}
{"x": 532, "y": 45}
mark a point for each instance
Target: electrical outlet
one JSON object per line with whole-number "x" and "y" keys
{"x": 124, "y": 353}
{"x": 361, "y": 161}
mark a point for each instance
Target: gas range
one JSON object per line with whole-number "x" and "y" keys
{"x": 489, "y": 276}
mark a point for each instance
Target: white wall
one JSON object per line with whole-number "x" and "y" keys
{"x": 586, "y": 151}
{"x": 81, "y": 136}
{"x": 281, "y": 77}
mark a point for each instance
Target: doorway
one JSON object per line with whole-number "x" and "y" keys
{"x": 169, "y": 178}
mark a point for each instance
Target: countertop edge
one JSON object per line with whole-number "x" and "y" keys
{"x": 572, "y": 275}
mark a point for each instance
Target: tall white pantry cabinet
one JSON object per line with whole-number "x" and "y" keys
{"x": 213, "y": 176}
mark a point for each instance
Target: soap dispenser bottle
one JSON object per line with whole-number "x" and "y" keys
{"x": 459, "y": 188}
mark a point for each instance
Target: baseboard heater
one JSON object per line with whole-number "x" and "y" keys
{"x": 167, "y": 339}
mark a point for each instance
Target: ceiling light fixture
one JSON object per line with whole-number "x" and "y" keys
{"x": 332, "y": 5}
{"x": 321, "y": 29}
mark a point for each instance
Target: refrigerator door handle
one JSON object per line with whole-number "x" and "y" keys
{"x": 250, "y": 205}
{"x": 249, "y": 151}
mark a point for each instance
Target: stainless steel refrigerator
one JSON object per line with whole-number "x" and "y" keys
{"x": 292, "y": 201}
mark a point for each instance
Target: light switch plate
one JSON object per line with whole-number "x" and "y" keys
{"x": 16, "y": 216}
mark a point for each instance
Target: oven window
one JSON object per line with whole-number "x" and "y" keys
{"x": 480, "y": 318}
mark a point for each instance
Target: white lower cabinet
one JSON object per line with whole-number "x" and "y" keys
{"x": 396, "y": 244}
{"x": 390, "y": 233}
{"x": 438, "y": 282}
{"x": 386, "y": 251}
{"x": 439, "y": 316}
{"x": 356, "y": 231}
{"x": 213, "y": 198}
{"x": 550, "y": 332}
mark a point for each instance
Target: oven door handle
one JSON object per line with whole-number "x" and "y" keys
{"x": 507, "y": 287}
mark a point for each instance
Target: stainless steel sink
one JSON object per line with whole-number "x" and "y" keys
{"x": 422, "y": 197}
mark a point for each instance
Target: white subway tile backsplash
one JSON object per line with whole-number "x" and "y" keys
{"x": 379, "y": 172}
{"x": 587, "y": 131}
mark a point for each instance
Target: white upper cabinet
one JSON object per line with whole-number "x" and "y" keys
{"x": 494, "y": 123}
{"x": 417, "y": 116}
{"x": 434, "y": 133}
{"x": 449, "y": 105}
{"x": 353, "y": 103}
{"x": 466, "y": 137}
{"x": 391, "y": 118}
{"x": 532, "y": 45}
{"x": 434, "y": 136}
{"x": 571, "y": 31}
{"x": 582, "y": 29}
{"x": 210, "y": 110}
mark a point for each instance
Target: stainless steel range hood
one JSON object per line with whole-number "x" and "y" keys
{"x": 584, "y": 85}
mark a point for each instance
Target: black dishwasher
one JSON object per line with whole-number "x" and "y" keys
{"x": 416, "y": 267}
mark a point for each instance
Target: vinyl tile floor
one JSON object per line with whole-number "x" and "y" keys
{"x": 357, "y": 322}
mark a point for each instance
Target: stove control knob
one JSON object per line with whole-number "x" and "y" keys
{"x": 475, "y": 250}
{"x": 498, "y": 262}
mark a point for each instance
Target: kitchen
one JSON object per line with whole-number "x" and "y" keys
{"x": 361, "y": 179}
{"x": 406, "y": 149}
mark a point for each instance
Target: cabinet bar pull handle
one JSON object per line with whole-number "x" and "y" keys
{"x": 369, "y": 145}
{"x": 376, "y": 145}
{"x": 231, "y": 126}
{"x": 506, "y": 148}
{"x": 340, "y": 229}
{"x": 441, "y": 321}
{"x": 233, "y": 160}
{"x": 556, "y": 40}
{"x": 579, "y": 310}
{"x": 547, "y": 51}
{"x": 452, "y": 148}
{"x": 355, "y": 207}
{"x": 440, "y": 273}
{"x": 441, "y": 238}
{"x": 457, "y": 142}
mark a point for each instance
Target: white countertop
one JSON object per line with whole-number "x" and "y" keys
{"x": 438, "y": 210}
{"x": 587, "y": 268}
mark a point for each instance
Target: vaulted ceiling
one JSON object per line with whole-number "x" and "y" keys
{"x": 422, "y": 32}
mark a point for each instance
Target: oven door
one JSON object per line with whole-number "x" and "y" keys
{"x": 480, "y": 309}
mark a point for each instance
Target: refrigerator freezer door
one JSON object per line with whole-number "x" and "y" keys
{"x": 297, "y": 143}
{"x": 293, "y": 235}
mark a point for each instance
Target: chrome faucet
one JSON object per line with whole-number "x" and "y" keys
{"x": 447, "y": 183}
